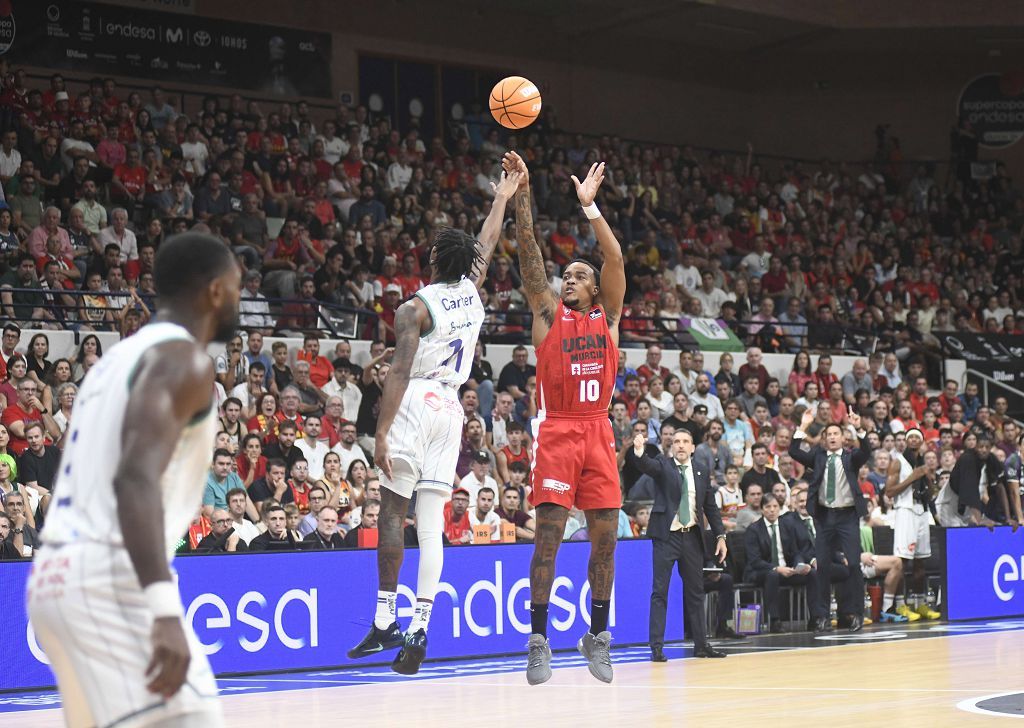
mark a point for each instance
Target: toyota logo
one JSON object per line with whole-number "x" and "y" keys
{"x": 201, "y": 38}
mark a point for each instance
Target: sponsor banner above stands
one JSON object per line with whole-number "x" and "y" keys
{"x": 137, "y": 42}
{"x": 998, "y": 356}
{"x": 984, "y": 576}
{"x": 303, "y": 610}
{"x": 994, "y": 104}
{"x": 711, "y": 334}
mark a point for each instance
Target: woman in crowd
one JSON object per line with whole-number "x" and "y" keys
{"x": 339, "y": 492}
{"x": 38, "y": 365}
{"x": 356, "y": 478}
{"x": 251, "y": 463}
{"x": 268, "y": 417}
{"x": 801, "y": 373}
{"x": 726, "y": 374}
{"x": 659, "y": 399}
{"x": 65, "y": 399}
{"x": 90, "y": 347}
{"x": 59, "y": 373}
{"x": 17, "y": 370}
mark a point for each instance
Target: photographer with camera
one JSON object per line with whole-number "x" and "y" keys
{"x": 909, "y": 483}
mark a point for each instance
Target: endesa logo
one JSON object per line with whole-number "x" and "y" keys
{"x": 493, "y": 606}
{"x": 1006, "y": 571}
{"x": 209, "y": 614}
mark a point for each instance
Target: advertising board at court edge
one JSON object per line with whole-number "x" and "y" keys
{"x": 984, "y": 573}
{"x": 262, "y": 612}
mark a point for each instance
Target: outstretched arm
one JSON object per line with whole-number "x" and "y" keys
{"x": 613, "y": 271}
{"x": 531, "y": 263}
{"x": 409, "y": 321}
{"x": 491, "y": 230}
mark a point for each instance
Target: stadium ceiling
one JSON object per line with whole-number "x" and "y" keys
{"x": 758, "y": 26}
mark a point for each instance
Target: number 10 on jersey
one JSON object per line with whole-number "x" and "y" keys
{"x": 590, "y": 390}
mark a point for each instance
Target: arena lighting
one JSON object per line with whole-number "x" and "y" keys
{"x": 457, "y": 111}
{"x": 416, "y": 108}
{"x": 375, "y": 102}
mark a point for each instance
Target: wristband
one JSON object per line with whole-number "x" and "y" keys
{"x": 591, "y": 211}
{"x": 163, "y": 599}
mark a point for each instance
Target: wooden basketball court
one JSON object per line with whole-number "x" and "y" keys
{"x": 898, "y": 677}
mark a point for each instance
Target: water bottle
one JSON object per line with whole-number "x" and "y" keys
{"x": 867, "y": 606}
{"x": 833, "y": 608}
{"x": 930, "y": 598}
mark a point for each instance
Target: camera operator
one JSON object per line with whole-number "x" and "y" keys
{"x": 909, "y": 483}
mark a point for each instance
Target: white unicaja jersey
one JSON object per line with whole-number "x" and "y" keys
{"x": 445, "y": 352}
{"x": 906, "y": 497}
{"x": 85, "y": 506}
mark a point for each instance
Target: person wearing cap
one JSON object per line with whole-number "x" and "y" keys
{"x": 386, "y": 316}
{"x": 456, "y": 518}
{"x": 909, "y": 484}
{"x": 478, "y": 476}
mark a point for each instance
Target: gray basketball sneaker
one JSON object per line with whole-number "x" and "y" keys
{"x": 538, "y": 660}
{"x": 596, "y": 649}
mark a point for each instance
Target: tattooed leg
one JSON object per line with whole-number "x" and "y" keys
{"x": 550, "y": 520}
{"x": 390, "y": 538}
{"x": 603, "y": 526}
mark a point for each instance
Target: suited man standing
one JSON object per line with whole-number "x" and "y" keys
{"x": 778, "y": 555}
{"x": 836, "y": 504}
{"x": 683, "y": 497}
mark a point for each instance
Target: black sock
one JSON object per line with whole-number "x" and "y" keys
{"x": 599, "y": 615}
{"x": 539, "y": 619}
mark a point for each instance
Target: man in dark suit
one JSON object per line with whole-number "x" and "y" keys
{"x": 836, "y": 504}
{"x": 778, "y": 555}
{"x": 683, "y": 497}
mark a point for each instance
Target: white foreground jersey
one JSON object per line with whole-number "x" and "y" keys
{"x": 85, "y": 508}
{"x": 445, "y": 352}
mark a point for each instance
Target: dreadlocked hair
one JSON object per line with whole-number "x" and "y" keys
{"x": 455, "y": 255}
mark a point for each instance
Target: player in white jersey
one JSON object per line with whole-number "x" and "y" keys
{"x": 419, "y": 429}
{"x": 101, "y": 596}
{"x": 908, "y": 483}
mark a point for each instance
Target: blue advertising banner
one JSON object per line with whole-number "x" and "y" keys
{"x": 984, "y": 573}
{"x": 258, "y": 612}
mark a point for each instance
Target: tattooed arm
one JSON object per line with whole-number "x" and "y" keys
{"x": 531, "y": 262}
{"x": 491, "y": 230}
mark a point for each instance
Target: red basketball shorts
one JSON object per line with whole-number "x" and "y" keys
{"x": 574, "y": 462}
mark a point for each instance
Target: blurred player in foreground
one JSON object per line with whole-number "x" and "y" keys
{"x": 102, "y": 597}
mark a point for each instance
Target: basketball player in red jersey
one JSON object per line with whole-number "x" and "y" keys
{"x": 576, "y": 340}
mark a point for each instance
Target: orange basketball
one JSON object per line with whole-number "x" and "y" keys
{"x": 515, "y": 102}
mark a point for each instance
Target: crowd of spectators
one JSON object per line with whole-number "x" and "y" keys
{"x": 339, "y": 209}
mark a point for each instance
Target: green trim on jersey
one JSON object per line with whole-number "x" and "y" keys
{"x": 433, "y": 319}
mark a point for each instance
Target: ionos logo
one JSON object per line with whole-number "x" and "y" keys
{"x": 1006, "y": 569}
{"x": 489, "y": 608}
{"x": 248, "y": 611}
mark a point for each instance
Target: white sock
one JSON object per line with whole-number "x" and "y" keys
{"x": 387, "y": 609}
{"x": 421, "y": 619}
{"x": 887, "y": 600}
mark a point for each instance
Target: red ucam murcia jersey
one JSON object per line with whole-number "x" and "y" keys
{"x": 576, "y": 363}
